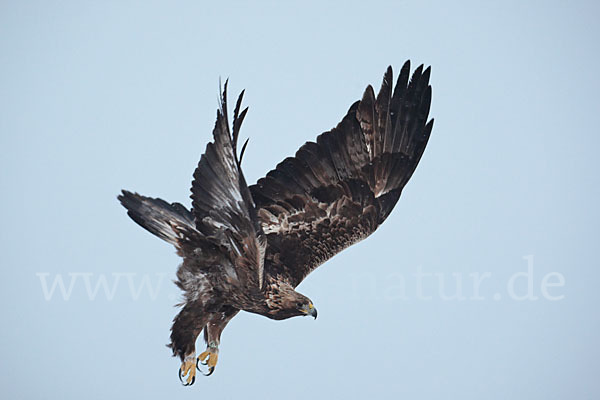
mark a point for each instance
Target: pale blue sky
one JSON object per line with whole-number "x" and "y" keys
{"x": 99, "y": 96}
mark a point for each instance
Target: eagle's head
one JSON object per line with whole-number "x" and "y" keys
{"x": 284, "y": 302}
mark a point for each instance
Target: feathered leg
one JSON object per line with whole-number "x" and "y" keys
{"x": 212, "y": 336}
{"x": 187, "y": 325}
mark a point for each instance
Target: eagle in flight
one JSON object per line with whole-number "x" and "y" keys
{"x": 248, "y": 247}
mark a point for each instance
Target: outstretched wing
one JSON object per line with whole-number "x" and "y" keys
{"x": 337, "y": 191}
{"x": 221, "y": 202}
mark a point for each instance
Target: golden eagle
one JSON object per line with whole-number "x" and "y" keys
{"x": 248, "y": 247}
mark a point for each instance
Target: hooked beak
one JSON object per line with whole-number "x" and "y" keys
{"x": 309, "y": 309}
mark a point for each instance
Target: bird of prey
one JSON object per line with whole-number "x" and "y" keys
{"x": 248, "y": 247}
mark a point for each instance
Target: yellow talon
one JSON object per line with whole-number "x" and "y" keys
{"x": 209, "y": 358}
{"x": 203, "y": 356}
{"x": 212, "y": 360}
{"x": 188, "y": 367}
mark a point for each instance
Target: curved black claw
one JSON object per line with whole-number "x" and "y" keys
{"x": 210, "y": 369}
{"x": 185, "y": 383}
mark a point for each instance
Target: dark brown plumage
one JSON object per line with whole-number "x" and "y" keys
{"x": 247, "y": 248}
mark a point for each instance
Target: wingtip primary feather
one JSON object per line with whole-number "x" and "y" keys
{"x": 232, "y": 132}
{"x": 243, "y": 150}
{"x": 389, "y": 72}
